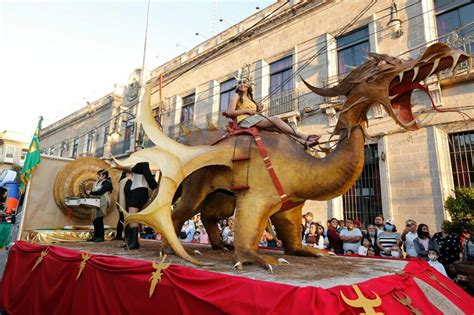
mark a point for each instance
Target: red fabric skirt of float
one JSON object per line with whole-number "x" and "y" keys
{"x": 114, "y": 285}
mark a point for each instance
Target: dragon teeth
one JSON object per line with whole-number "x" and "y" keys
{"x": 391, "y": 98}
{"x": 455, "y": 61}
{"x": 415, "y": 73}
{"x": 400, "y": 77}
{"x": 435, "y": 66}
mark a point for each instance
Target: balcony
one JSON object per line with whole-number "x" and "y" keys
{"x": 174, "y": 131}
{"x": 284, "y": 104}
{"x": 218, "y": 120}
{"x": 120, "y": 147}
{"x": 331, "y": 82}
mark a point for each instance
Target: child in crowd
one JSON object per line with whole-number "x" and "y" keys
{"x": 371, "y": 251}
{"x": 433, "y": 255}
{"x": 364, "y": 247}
{"x": 349, "y": 252}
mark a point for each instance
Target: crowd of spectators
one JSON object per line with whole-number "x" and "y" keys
{"x": 382, "y": 239}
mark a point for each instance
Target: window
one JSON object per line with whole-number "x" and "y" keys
{"x": 24, "y": 152}
{"x": 74, "y": 148}
{"x": 364, "y": 200}
{"x": 129, "y": 128}
{"x": 227, "y": 90}
{"x": 90, "y": 141}
{"x": 106, "y": 134}
{"x": 187, "y": 109}
{"x": 352, "y": 49}
{"x": 461, "y": 149}
{"x": 9, "y": 152}
{"x": 64, "y": 148}
{"x": 280, "y": 75}
{"x": 455, "y": 16}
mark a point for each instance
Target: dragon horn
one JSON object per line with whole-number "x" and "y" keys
{"x": 340, "y": 89}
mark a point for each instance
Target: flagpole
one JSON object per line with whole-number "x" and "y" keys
{"x": 142, "y": 79}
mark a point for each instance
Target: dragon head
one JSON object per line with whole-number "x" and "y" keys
{"x": 390, "y": 81}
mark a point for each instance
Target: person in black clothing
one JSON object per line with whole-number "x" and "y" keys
{"x": 125, "y": 184}
{"x": 102, "y": 187}
{"x": 141, "y": 182}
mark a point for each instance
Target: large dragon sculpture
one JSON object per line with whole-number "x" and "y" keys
{"x": 205, "y": 172}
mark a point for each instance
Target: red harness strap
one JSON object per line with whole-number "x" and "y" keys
{"x": 235, "y": 130}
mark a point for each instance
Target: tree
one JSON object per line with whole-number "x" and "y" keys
{"x": 461, "y": 209}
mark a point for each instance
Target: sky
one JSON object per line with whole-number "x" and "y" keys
{"x": 57, "y": 55}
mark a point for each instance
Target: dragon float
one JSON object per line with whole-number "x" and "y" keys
{"x": 206, "y": 173}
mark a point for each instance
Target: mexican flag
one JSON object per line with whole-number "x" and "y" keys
{"x": 32, "y": 158}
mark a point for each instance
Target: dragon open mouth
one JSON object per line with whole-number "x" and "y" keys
{"x": 402, "y": 86}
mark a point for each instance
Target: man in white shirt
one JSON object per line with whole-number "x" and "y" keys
{"x": 350, "y": 236}
{"x": 407, "y": 237}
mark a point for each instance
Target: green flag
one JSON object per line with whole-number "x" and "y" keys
{"x": 32, "y": 158}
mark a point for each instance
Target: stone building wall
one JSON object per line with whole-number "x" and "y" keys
{"x": 416, "y": 175}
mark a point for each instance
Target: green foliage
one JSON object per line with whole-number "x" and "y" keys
{"x": 461, "y": 210}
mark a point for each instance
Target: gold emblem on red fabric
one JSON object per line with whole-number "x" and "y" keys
{"x": 434, "y": 278}
{"x": 156, "y": 275}
{"x": 85, "y": 257}
{"x": 406, "y": 301}
{"x": 362, "y": 302}
{"x": 40, "y": 258}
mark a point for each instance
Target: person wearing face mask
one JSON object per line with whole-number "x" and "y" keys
{"x": 433, "y": 255}
{"x": 424, "y": 242}
{"x": 396, "y": 252}
{"x": 388, "y": 238}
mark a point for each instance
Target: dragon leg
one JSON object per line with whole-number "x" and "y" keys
{"x": 251, "y": 218}
{"x": 215, "y": 207}
{"x": 288, "y": 229}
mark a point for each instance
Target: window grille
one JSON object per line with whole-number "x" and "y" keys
{"x": 461, "y": 148}
{"x": 364, "y": 199}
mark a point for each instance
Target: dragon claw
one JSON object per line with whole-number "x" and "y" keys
{"x": 238, "y": 266}
{"x": 196, "y": 252}
{"x": 270, "y": 268}
{"x": 283, "y": 261}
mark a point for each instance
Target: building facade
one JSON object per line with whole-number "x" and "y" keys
{"x": 406, "y": 174}
{"x": 13, "y": 149}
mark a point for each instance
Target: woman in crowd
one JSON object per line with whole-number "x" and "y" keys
{"x": 424, "y": 242}
{"x": 449, "y": 245}
{"x": 388, "y": 238}
{"x": 315, "y": 237}
{"x": 244, "y": 108}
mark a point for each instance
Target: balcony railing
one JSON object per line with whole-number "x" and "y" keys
{"x": 174, "y": 131}
{"x": 218, "y": 120}
{"x": 283, "y": 103}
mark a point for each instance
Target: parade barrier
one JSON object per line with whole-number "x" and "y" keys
{"x": 54, "y": 280}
